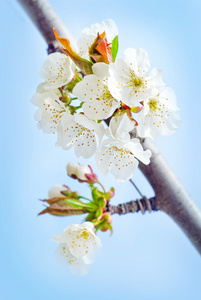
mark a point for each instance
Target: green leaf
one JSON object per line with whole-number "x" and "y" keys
{"x": 75, "y": 203}
{"x": 83, "y": 64}
{"x": 90, "y": 207}
{"x": 115, "y": 47}
{"x": 101, "y": 202}
{"x": 98, "y": 213}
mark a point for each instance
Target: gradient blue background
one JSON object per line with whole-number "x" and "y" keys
{"x": 148, "y": 257}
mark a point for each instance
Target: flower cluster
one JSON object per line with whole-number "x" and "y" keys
{"x": 78, "y": 247}
{"x": 79, "y": 244}
{"x": 84, "y": 90}
{"x": 63, "y": 202}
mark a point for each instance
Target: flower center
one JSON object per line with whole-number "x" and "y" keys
{"x": 106, "y": 95}
{"x": 85, "y": 234}
{"x": 153, "y": 104}
{"x": 81, "y": 131}
{"x": 135, "y": 81}
{"x": 122, "y": 151}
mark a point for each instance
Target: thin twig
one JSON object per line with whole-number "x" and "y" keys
{"x": 133, "y": 183}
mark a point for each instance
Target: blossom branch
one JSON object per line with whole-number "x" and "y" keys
{"x": 171, "y": 196}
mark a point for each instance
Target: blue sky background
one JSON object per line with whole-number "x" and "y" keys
{"x": 148, "y": 257}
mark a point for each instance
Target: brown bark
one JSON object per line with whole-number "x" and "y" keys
{"x": 142, "y": 205}
{"x": 170, "y": 195}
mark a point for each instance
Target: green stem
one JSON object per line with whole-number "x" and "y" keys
{"x": 101, "y": 186}
{"x": 80, "y": 197}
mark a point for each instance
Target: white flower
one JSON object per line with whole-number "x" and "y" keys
{"x": 128, "y": 81}
{"x": 120, "y": 127}
{"x": 50, "y": 111}
{"x": 78, "y": 247}
{"x": 93, "y": 89}
{"x": 58, "y": 69}
{"x": 55, "y": 191}
{"x": 159, "y": 115}
{"x": 120, "y": 154}
{"x": 81, "y": 132}
{"x": 78, "y": 170}
{"x": 90, "y": 34}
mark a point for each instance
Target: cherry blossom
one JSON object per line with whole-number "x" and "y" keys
{"x": 50, "y": 111}
{"x": 93, "y": 89}
{"x": 119, "y": 154}
{"x": 159, "y": 115}
{"x": 58, "y": 69}
{"x": 90, "y": 34}
{"x": 80, "y": 132}
{"x": 78, "y": 247}
{"x": 129, "y": 82}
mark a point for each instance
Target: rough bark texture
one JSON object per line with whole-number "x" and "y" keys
{"x": 142, "y": 205}
{"x": 171, "y": 196}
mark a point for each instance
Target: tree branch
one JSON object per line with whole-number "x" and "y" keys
{"x": 171, "y": 196}
{"x": 142, "y": 205}
{"x": 45, "y": 18}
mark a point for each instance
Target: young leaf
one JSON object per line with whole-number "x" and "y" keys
{"x": 115, "y": 47}
{"x": 83, "y": 64}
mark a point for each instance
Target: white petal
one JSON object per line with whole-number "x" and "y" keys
{"x": 114, "y": 88}
{"x": 84, "y": 43}
{"x": 168, "y": 97}
{"x": 101, "y": 70}
{"x": 57, "y": 238}
{"x": 136, "y": 148}
{"x": 86, "y": 144}
{"x": 100, "y": 109}
{"x": 81, "y": 171}
{"x": 88, "y": 89}
{"x": 77, "y": 266}
{"x": 52, "y": 110}
{"x": 119, "y": 71}
{"x": 111, "y": 29}
{"x": 138, "y": 59}
{"x": 58, "y": 69}
{"x": 84, "y": 243}
{"x": 154, "y": 79}
{"x": 96, "y": 128}
{"x": 124, "y": 165}
{"x": 87, "y": 225}
{"x": 120, "y": 127}
{"x": 117, "y": 159}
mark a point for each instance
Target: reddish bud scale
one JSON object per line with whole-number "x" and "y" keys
{"x": 100, "y": 50}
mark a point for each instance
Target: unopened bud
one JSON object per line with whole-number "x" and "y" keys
{"x": 107, "y": 218}
{"x": 65, "y": 98}
{"x": 83, "y": 173}
{"x": 56, "y": 190}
